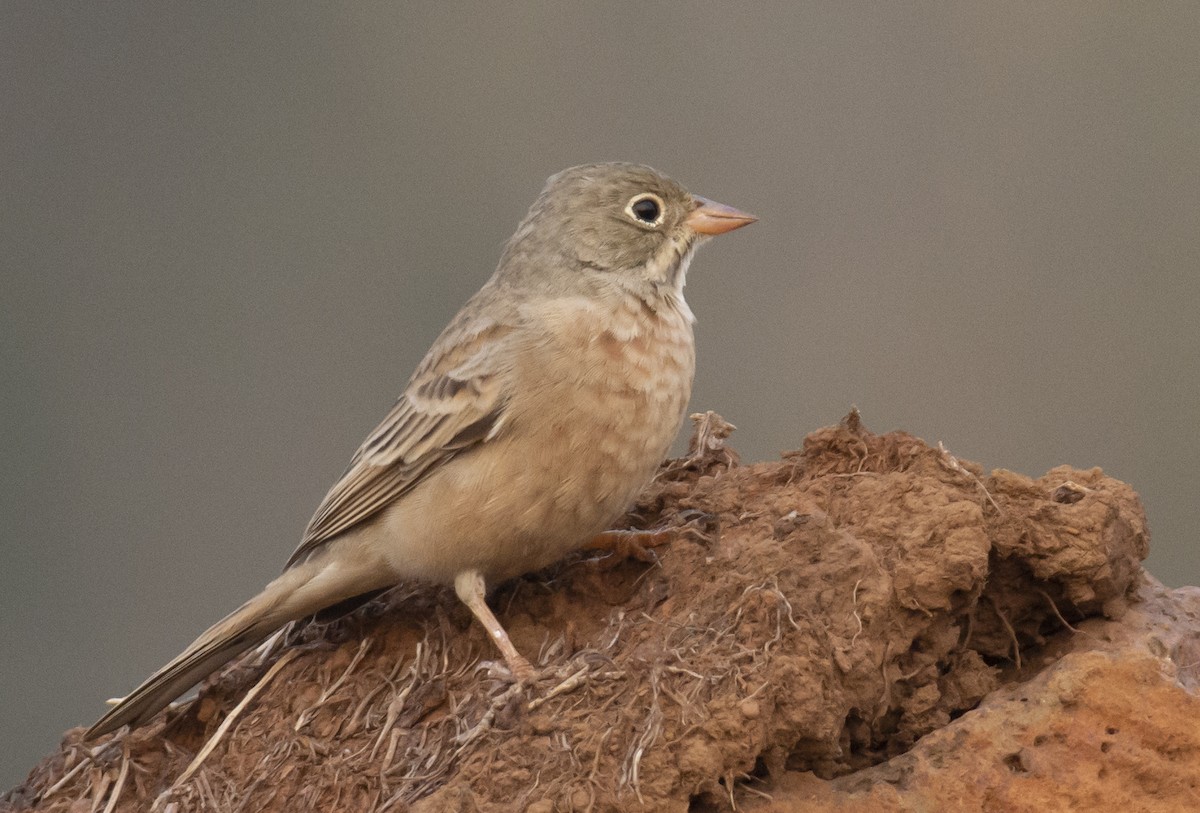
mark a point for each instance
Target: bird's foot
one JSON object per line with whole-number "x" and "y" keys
{"x": 638, "y": 544}
{"x": 516, "y": 670}
{"x": 631, "y": 544}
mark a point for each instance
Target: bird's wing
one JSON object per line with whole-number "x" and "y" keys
{"x": 455, "y": 400}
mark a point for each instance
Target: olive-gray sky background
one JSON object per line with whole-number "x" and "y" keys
{"x": 228, "y": 236}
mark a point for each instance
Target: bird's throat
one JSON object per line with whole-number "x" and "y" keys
{"x": 666, "y": 274}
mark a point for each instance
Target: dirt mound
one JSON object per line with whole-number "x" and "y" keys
{"x": 1112, "y": 725}
{"x": 815, "y": 617}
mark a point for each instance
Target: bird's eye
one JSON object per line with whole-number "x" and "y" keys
{"x": 646, "y": 209}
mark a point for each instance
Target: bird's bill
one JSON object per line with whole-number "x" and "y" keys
{"x": 710, "y": 217}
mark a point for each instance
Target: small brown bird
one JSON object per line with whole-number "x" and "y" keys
{"x": 533, "y": 422}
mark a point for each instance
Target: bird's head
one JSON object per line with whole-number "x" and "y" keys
{"x": 624, "y": 222}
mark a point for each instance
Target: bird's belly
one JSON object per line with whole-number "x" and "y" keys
{"x": 586, "y": 436}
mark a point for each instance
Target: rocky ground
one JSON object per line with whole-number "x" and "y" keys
{"x": 866, "y": 624}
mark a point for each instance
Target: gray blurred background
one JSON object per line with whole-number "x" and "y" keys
{"x": 228, "y": 236}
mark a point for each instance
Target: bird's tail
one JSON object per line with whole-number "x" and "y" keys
{"x": 301, "y": 590}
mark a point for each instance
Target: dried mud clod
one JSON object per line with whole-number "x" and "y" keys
{"x": 816, "y": 614}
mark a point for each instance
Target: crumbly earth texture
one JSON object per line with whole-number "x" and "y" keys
{"x": 867, "y": 623}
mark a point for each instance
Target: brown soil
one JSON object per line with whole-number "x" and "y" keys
{"x": 815, "y": 617}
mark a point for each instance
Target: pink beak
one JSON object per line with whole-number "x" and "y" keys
{"x": 710, "y": 217}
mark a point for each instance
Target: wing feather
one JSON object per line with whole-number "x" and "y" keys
{"x": 455, "y": 400}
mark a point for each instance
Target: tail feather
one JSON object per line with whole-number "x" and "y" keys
{"x": 300, "y": 591}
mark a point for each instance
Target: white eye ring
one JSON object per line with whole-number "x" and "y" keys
{"x": 646, "y": 205}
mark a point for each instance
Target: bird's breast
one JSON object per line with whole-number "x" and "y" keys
{"x": 602, "y": 391}
{"x": 612, "y": 378}
{"x": 597, "y": 396}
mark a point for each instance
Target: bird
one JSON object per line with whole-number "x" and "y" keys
{"x": 531, "y": 425}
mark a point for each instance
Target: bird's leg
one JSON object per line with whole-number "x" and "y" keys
{"x": 471, "y": 591}
{"x": 632, "y": 544}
